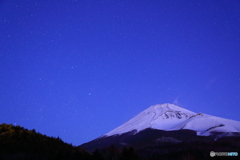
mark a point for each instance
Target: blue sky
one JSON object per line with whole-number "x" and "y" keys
{"x": 78, "y": 69}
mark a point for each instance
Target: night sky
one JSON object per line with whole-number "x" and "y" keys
{"x": 80, "y": 68}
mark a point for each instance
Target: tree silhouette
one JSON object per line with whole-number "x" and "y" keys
{"x": 97, "y": 155}
{"x": 129, "y": 154}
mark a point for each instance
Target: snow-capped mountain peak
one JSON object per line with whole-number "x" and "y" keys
{"x": 172, "y": 117}
{"x": 164, "y": 116}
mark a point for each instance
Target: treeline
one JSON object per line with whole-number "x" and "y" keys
{"x": 18, "y": 143}
{"x": 114, "y": 153}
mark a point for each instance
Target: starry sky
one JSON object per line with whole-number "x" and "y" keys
{"x": 79, "y": 68}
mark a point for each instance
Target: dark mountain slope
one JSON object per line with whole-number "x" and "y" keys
{"x": 157, "y": 144}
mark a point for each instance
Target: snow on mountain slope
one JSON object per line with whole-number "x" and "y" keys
{"x": 172, "y": 117}
{"x": 205, "y": 124}
{"x": 162, "y": 117}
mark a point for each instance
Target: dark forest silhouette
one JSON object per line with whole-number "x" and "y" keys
{"x": 18, "y": 143}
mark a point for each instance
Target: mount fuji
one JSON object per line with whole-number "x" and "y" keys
{"x": 171, "y": 117}
{"x": 167, "y": 123}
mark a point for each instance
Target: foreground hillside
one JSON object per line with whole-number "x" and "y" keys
{"x": 18, "y": 143}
